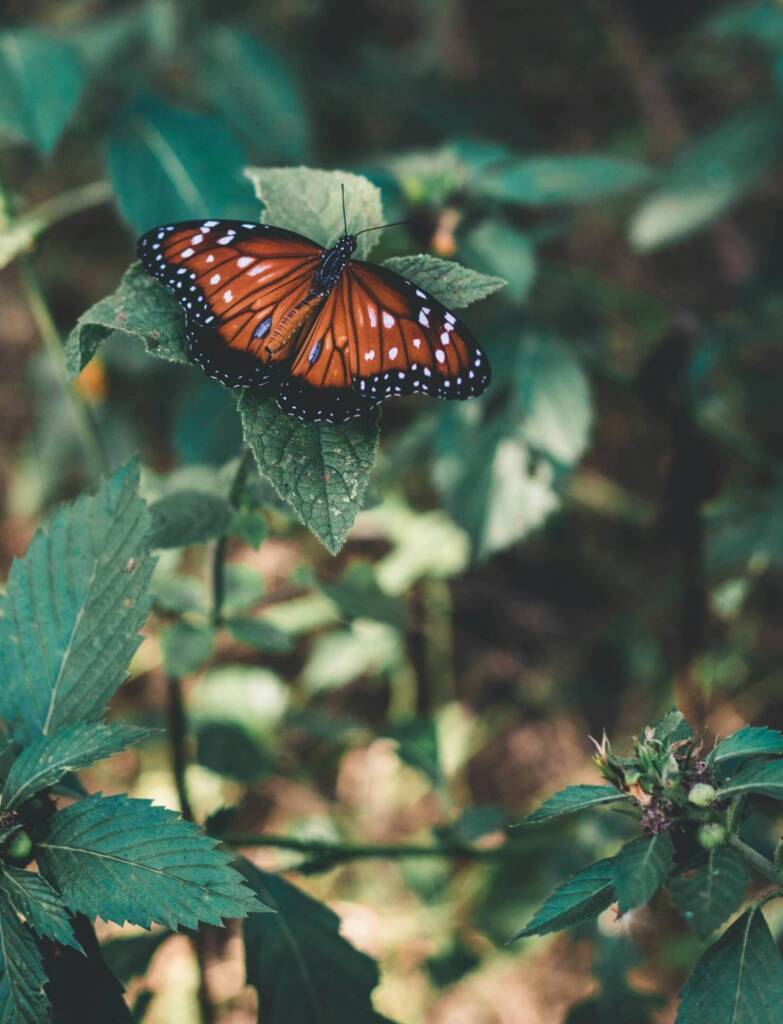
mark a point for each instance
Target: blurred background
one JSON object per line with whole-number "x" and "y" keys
{"x": 596, "y": 539}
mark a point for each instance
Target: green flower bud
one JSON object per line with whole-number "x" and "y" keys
{"x": 19, "y": 848}
{"x": 712, "y": 835}
{"x": 702, "y": 794}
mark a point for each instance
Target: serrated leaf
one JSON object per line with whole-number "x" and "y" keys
{"x": 128, "y": 860}
{"x": 69, "y": 622}
{"x": 498, "y": 247}
{"x": 449, "y": 282}
{"x": 41, "y": 80}
{"x": 46, "y": 760}
{"x": 739, "y": 980}
{"x": 167, "y": 164}
{"x": 186, "y": 647}
{"x": 553, "y": 180}
{"x": 766, "y": 778}
{"x": 31, "y": 896}
{"x": 262, "y": 636}
{"x": 22, "y": 977}
{"x": 639, "y": 869}
{"x": 571, "y": 799}
{"x": 583, "y": 896}
{"x": 750, "y": 741}
{"x": 320, "y": 470}
{"x": 710, "y": 894}
{"x": 140, "y": 307}
{"x": 310, "y": 201}
{"x": 189, "y": 517}
{"x": 304, "y": 970}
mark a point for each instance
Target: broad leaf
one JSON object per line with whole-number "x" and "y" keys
{"x": 545, "y": 181}
{"x": 640, "y": 868}
{"x": 710, "y": 894}
{"x": 320, "y": 470}
{"x": 496, "y": 246}
{"x": 41, "y": 80}
{"x": 189, "y": 517}
{"x": 310, "y": 201}
{"x": 127, "y": 860}
{"x": 304, "y": 970}
{"x": 168, "y": 164}
{"x": 186, "y": 647}
{"x": 31, "y": 896}
{"x": 751, "y": 741}
{"x": 573, "y": 798}
{"x": 82, "y": 989}
{"x": 766, "y": 778}
{"x": 261, "y": 635}
{"x": 22, "y": 977}
{"x": 75, "y": 603}
{"x": 739, "y": 980}
{"x": 47, "y": 759}
{"x": 585, "y": 895}
{"x": 449, "y": 282}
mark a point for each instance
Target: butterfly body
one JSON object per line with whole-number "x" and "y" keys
{"x": 329, "y": 336}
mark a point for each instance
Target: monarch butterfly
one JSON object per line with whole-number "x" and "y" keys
{"x": 331, "y": 337}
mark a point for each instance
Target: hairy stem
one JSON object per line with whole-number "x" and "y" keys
{"x": 219, "y": 555}
{"x": 757, "y": 860}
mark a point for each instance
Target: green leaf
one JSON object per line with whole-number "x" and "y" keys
{"x": 339, "y": 657}
{"x": 189, "y": 517}
{"x": 320, "y": 470}
{"x": 31, "y": 896}
{"x": 547, "y": 181}
{"x": 140, "y": 308}
{"x": 766, "y": 778}
{"x": 750, "y": 741}
{"x": 498, "y": 247}
{"x": 251, "y": 527}
{"x": 583, "y": 896}
{"x": 261, "y": 635}
{"x": 710, "y": 894}
{"x": 82, "y": 988}
{"x": 167, "y": 164}
{"x": 417, "y": 745}
{"x": 708, "y": 177}
{"x": 449, "y": 282}
{"x": 128, "y": 860}
{"x": 252, "y": 88}
{"x": 358, "y": 596}
{"x": 186, "y": 647}
{"x": 47, "y": 759}
{"x": 22, "y": 977}
{"x": 739, "y": 980}
{"x": 309, "y": 201}
{"x": 75, "y": 603}
{"x": 639, "y": 869}
{"x": 41, "y": 81}
{"x": 304, "y": 970}
{"x": 571, "y": 799}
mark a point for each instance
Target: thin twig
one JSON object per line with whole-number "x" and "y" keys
{"x": 219, "y": 555}
{"x": 376, "y": 851}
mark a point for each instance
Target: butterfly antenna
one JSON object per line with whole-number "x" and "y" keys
{"x": 393, "y": 224}
{"x": 345, "y": 219}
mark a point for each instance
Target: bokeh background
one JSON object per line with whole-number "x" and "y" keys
{"x": 595, "y": 540}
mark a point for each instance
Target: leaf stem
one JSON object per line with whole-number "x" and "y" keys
{"x": 757, "y": 860}
{"x": 177, "y": 731}
{"x": 376, "y": 851}
{"x": 219, "y": 555}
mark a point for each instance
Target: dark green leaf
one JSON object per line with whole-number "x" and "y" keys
{"x": 766, "y": 778}
{"x": 358, "y": 596}
{"x": 74, "y": 606}
{"x": 640, "y": 868}
{"x": 186, "y": 648}
{"x": 127, "y": 860}
{"x": 751, "y": 741}
{"x": 417, "y": 745}
{"x": 22, "y": 977}
{"x": 497, "y": 247}
{"x": 251, "y": 526}
{"x": 710, "y": 894}
{"x": 31, "y": 896}
{"x": 263, "y": 636}
{"x": 585, "y": 895}
{"x": 546, "y": 181}
{"x": 82, "y": 988}
{"x": 739, "y": 980}
{"x": 304, "y": 970}
{"x": 189, "y": 517}
{"x": 573, "y": 798}
{"x": 447, "y": 281}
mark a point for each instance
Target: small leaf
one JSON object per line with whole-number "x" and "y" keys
{"x": 712, "y": 893}
{"x": 310, "y": 201}
{"x": 22, "y": 977}
{"x": 320, "y": 470}
{"x": 47, "y": 759}
{"x": 185, "y": 648}
{"x": 739, "y": 980}
{"x": 639, "y": 869}
{"x": 69, "y": 622}
{"x": 449, "y": 282}
{"x": 251, "y": 526}
{"x": 127, "y": 860}
{"x": 417, "y": 745}
{"x": 498, "y": 247}
{"x": 766, "y": 778}
{"x": 583, "y": 896}
{"x": 547, "y": 181}
{"x": 189, "y": 517}
{"x": 358, "y": 596}
{"x": 750, "y": 741}
{"x": 41, "y": 80}
{"x": 304, "y": 970}
{"x": 31, "y": 896}
{"x": 263, "y": 636}
{"x": 573, "y": 798}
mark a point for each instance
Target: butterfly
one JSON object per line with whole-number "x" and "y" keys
{"x": 329, "y": 336}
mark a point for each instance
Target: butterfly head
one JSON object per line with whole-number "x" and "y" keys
{"x": 346, "y": 245}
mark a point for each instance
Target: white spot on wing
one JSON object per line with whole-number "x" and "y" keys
{"x": 417, "y": 342}
{"x": 244, "y": 261}
{"x": 210, "y": 258}
{"x": 228, "y": 295}
{"x": 185, "y": 253}
{"x": 369, "y": 356}
{"x": 440, "y": 355}
{"x": 196, "y": 239}
{"x": 450, "y": 318}
{"x": 373, "y": 316}
{"x": 423, "y": 318}
{"x": 224, "y": 240}
{"x": 444, "y": 338}
{"x": 215, "y": 279}
{"x": 393, "y": 352}
{"x": 388, "y": 319}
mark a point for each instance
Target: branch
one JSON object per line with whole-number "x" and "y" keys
{"x": 375, "y": 851}
{"x": 219, "y": 556}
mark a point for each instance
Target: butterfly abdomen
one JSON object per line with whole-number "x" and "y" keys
{"x": 284, "y": 333}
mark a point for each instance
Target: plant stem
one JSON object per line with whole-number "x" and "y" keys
{"x": 219, "y": 555}
{"x": 177, "y": 730}
{"x": 757, "y": 860}
{"x": 375, "y": 851}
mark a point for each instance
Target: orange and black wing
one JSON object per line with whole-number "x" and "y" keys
{"x": 235, "y": 281}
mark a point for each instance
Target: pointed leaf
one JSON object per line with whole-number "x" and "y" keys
{"x": 47, "y": 759}
{"x": 548, "y": 180}
{"x": 640, "y": 868}
{"x": 127, "y": 860}
{"x": 186, "y": 648}
{"x": 739, "y": 980}
{"x": 573, "y": 798}
{"x": 31, "y": 896}
{"x": 75, "y": 603}
{"x": 750, "y": 741}
{"x": 758, "y": 777}
{"x": 585, "y": 895}
{"x": 449, "y": 282}
{"x": 261, "y": 635}
{"x": 304, "y": 970}
{"x": 709, "y": 895}
{"x": 189, "y": 517}
{"x": 22, "y": 977}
